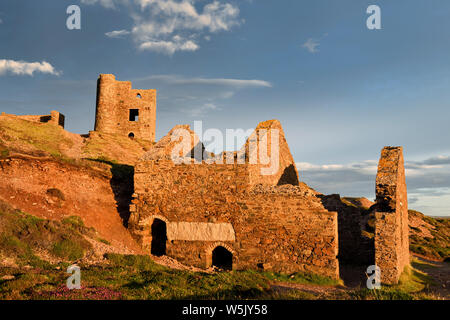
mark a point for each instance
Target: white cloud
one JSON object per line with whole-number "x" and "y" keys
{"x": 168, "y": 26}
{"x": 311, "y": 45}
{"x": 237, "y": 83}
{"x": 169, "y": 47}
{"x": 117, "y": 33}
{"x": 26, "y": 68}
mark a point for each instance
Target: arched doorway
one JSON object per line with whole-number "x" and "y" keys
{"x": 159, "y": 238}
{"x": 222, "y": 258}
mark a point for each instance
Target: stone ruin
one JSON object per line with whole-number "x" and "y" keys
{"x": 54, "y": 117}
{"x": 231, "y": 216}
{"x": 123, "y": 110}
{"x": 391, "y": 216}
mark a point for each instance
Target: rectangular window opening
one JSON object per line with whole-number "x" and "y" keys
{"x": 134, "y": 115}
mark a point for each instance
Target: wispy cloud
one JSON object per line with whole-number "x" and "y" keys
{"x": 202, "y": 110}
{"x": 237, "y": 83}
{"x": 117, "y": 34}
{"x": 110, "y": 4}
{"x": 26, "y": 68}
{"x": 311, "y": 45}
{"x": 169, "y": 47}
{"x": 168, "y": 26}
{"x": 197, "y": 96}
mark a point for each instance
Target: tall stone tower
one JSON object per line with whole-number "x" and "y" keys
{"x": 123, "y": 110}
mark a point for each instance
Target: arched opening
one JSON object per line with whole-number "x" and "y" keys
{"x": 159, "y": 238}
{"x": 138, "y": 96}
{"x": 222, "y": 258}
{"x": 131, "y": 135}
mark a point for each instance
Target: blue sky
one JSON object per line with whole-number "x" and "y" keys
{"x": 341, "y": 91}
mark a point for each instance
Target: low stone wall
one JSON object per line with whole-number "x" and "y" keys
{"x": 54, "y": 117}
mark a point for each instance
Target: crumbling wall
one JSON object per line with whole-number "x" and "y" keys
{"x": 54, "y": 117}
{"x": 116, "y": 101}
{"x": 278, "y": 167}
{"x": 279, "y": 229}
{"x": 391, "y": 217}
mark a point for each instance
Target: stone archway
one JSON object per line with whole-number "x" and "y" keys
{"x": 159, "y": 237}
{"x": 222, "y": 258}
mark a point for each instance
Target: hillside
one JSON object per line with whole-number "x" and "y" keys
{"x": 65, "y": 198}
{"x": 53, "y": 174}
{"x": 45, "y": 139}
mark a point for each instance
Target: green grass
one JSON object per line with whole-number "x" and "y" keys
{"x": 68, "y": 249}
{"x": 410, "y": 287}
{"x": 139, "y": 277}
{"x": 23, "y": 234}
{"x": 437, "y": 247}
{"x": 303, "y": 278}
{"x": 43, "y": 137}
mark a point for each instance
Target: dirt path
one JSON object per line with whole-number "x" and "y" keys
{"x": 440, "y": 272}
{"x": 320, "y": 292}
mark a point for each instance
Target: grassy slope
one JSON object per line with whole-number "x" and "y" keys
{"x": 24, "y": 238}
{"x": 138, "y": 277}
{"x": 46, "y": 139}
{"x": 438, "y": 245}
{"x": 17, "y": 135}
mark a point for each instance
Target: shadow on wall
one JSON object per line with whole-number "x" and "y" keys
{"x": 355, "y": 238}
{"x": 289, "y": 176}
{"x": 122, "y": 185}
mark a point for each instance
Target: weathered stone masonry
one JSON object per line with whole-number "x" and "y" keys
{"x": 54, "y": 118}
{"x": 123, "y": 110}
{"x": 262, "y": 225}
{"x": 391, "y": 224}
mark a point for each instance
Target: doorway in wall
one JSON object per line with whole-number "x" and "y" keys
{"x": 159, "y": 238}
{"x": 222, "y": 258}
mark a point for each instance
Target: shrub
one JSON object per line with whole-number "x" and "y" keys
{"x": 68, "y": 249}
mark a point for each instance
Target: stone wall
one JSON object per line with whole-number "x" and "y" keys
{"x": 118, "y": 104}
{"x": 54, "y": 117}
{"x": 391, "y": 223}
{"x": 274, "y": 229}
{"x": 279, "y": 168}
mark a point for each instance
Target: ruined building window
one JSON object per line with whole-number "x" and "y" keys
{"x": 134, "y": 115}
{"x": 131, "y": 135}
{"x": 159, "y": 238}
{"x": 222, "y": 258}
{"x": 138, "y": 96}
